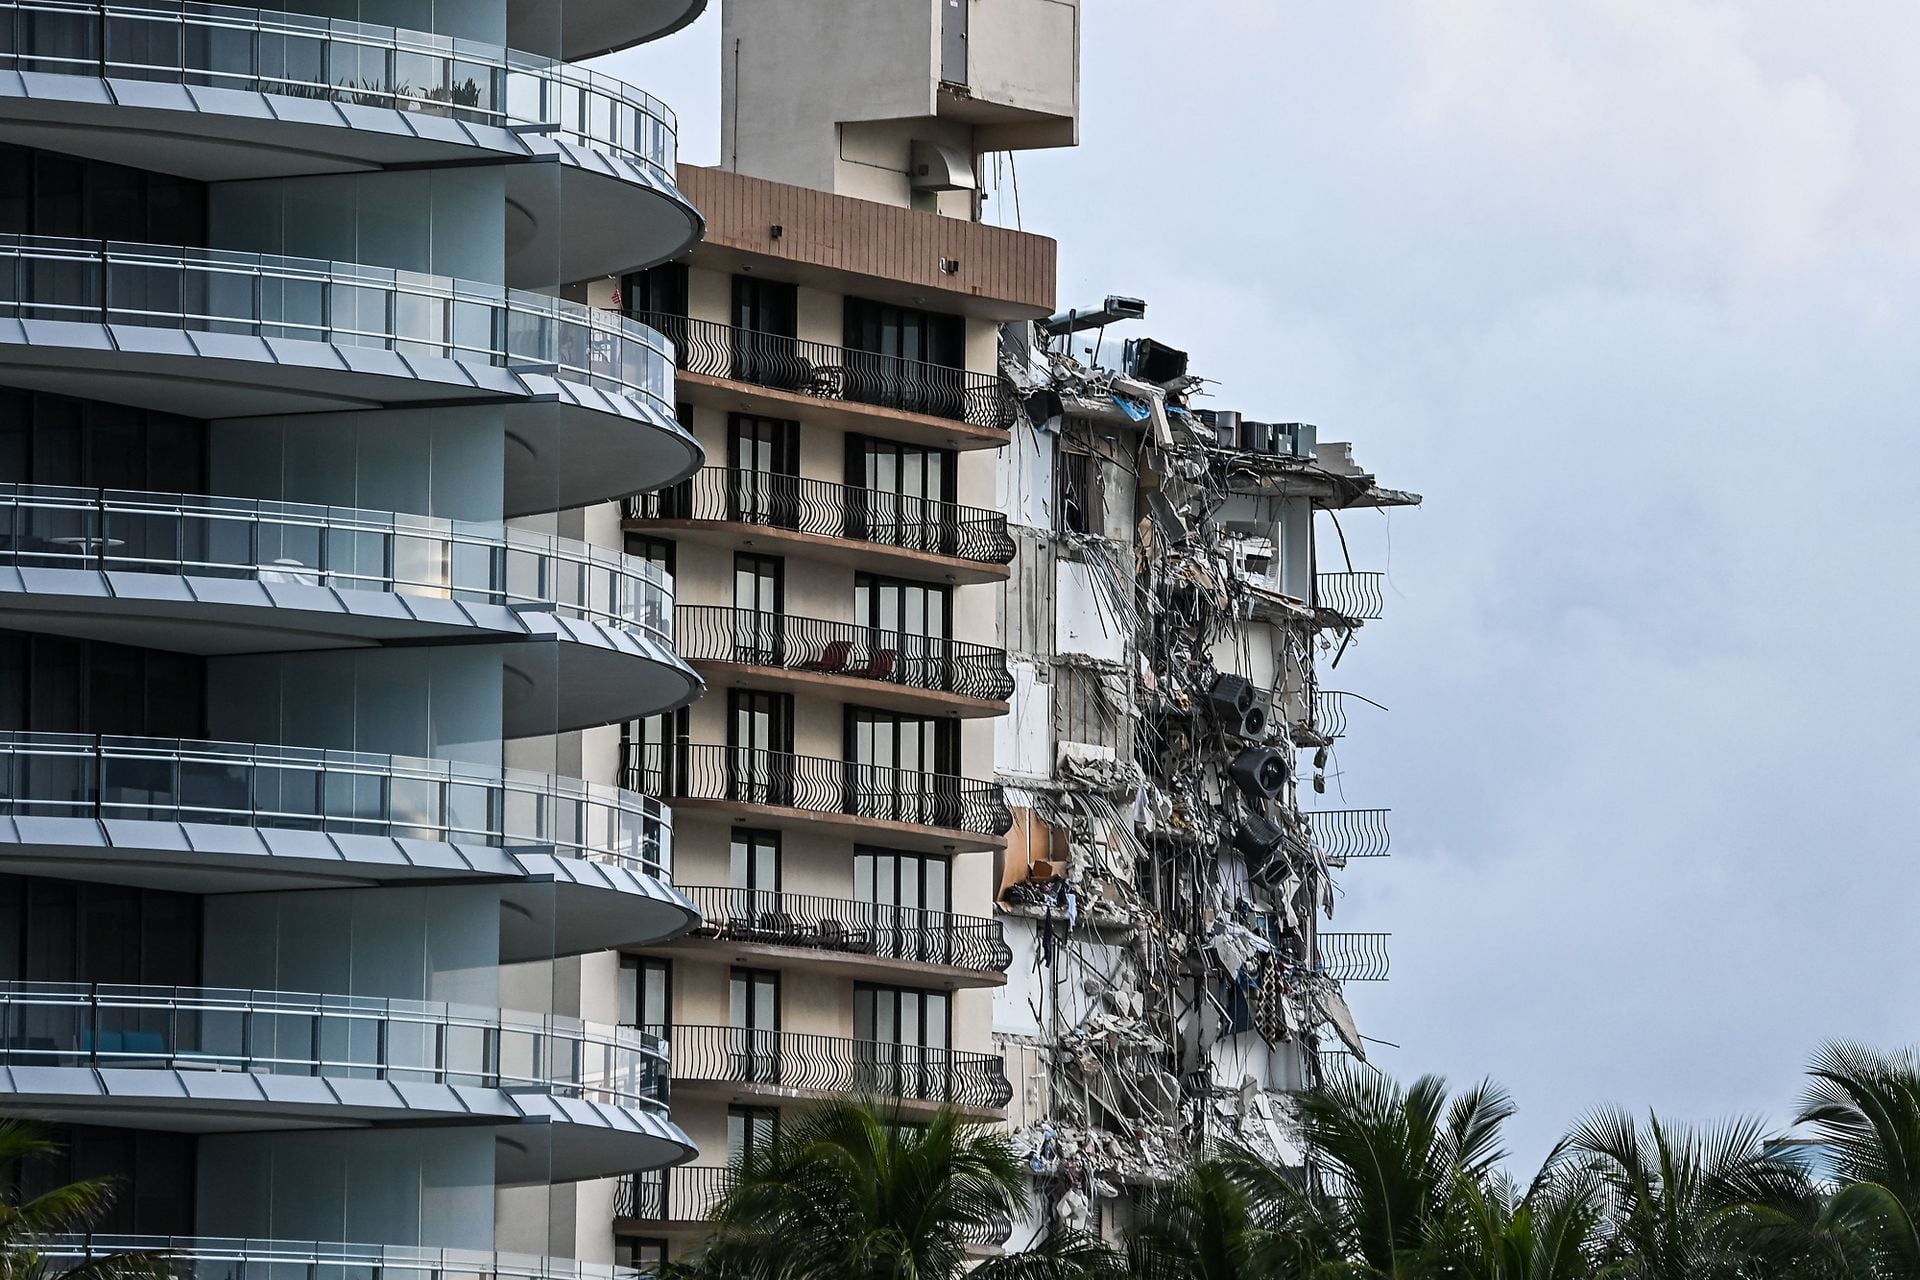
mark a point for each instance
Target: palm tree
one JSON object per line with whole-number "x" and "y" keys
{"x": 1688, "y": 1204}
{"x": 29, "y": 1224}
{"x": 1864, "y": 1109}
{"x": 848, "y": 1191}
{"x": 1206, "y": 1226}
{"x": 1549, "y": 1231}
{"x": 1385, "y": 1192}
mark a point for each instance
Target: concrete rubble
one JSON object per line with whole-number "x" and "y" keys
{"x": 1164, "y": 890}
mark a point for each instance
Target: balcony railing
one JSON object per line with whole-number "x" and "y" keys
{"x": 274, "y": 297}
{"x": 842, "y": 926}
{"x": 828, "y": 372}
{"x": 753, "y": 638}
{"x": 686, "y": 1193}
{"x": 336, "y": 60}
{"x": 829, "y": 510}
{"x": 816, "y": 784}
{"x": 1353, "y": 957}
{"x": 831, "y": 1064}
{"x": 214, "y": 1258}
{"x": 63, "y": 775}
{"x": 55, "y": 1024}
{"x": 1359, "y": 597}
{"x": 298, "y": 544}
{"x": 1350, "y": 833}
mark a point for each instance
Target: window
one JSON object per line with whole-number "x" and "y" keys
{"x": 903, "y": 495}
{"x": 760, "y": 741}
{"x": 763, "y": 466}
{"x": 765, "y": 306}
{"x": 72, "y": 931}
{"x": 642, "y": 1253}
{"x": 905, "y": 358}
{"x": 658, "y": 293}
{"x": 750, "y": 1129}
{"x": 759, "y": 603}
{"x": 646, "y": 994}
{"x": 47, "y": 194}
{"x": 756, "y": 861}
{"x": 661, "y": 553}
{"x": 909, "y": 893}
{"x": 754, "y": 1014}
{"x": 51, "y": 684}
{"x": 1075, "y": 500}
{"x": 905, "y": 1033}
{"x": 902, "y": 767}
{"x": 48, "y": 439}
{"x": 763, "y": 350}
{"x": 655, "y": 754}
{"x": 902, "y": 605}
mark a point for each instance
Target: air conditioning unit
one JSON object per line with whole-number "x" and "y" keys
{"x": 1154, "y": 362}
{"x": 1224, "y": 424}
{"x": 1256, "y": 437}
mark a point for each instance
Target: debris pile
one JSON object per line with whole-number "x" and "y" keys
{"x": 1164, "y": 890}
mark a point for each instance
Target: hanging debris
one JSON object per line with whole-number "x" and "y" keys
{"x": 1166, "y": 888}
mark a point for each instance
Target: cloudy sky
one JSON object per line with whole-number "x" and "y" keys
{"x": 1626, "y": 288}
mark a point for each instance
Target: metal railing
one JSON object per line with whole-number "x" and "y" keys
{"x": 298, "y": 544}
{"x": 1359, "y": 597}
{"x": 1350, "y": 833}
{"x": 1352, "y": 957}
{"x": 817, "y": 784}
{"x": 60, "y": 775}
{"x": 828, "y": 372}
{"x": 55, "y": 1024}
{"x": 685, "y": 1193}
{"x": 274, "y": 297}
{"x": 335, "y": 60}
{"x": 709, "y": 633}
{"x": 840, "y": 925}
{"x": 217, "y": 1258}
{"x": 829, "y": 510}
{"x": 832, "y": 1064}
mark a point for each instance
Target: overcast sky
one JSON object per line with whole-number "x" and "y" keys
{"x": 1626, "y": 288}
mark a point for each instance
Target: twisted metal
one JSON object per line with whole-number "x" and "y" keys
{"x": 1350, "y": 833}
{"x": 829, "y": 510}
{"x": 830, "y": 372}
{"x": 1353, "y": 957}
{"x": 709, "y": 633}
{"x": 835, "y": 1065}
{"x": 101, "y": 1026}
{"x": 816, "y": 784}
{"x": 1356, "y": 597}
{"x": 859, "y": 928}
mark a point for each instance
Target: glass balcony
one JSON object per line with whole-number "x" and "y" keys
{"x": 213, "y": 1258}
{"x": 50, "y": 1024}
{"x": 55, "y": 775}
{"x": 269, "y": 296}
{"x": 297, "y": 544}
{"x": 335, "y": 60}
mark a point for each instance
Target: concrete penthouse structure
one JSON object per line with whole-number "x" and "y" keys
{"x": 839, "y": 561}
{"x": 310, "y": 853}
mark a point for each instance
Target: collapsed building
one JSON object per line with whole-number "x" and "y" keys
{"x": 1169, "y": 885}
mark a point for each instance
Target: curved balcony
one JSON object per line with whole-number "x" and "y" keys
{"x": 914, "y": 400}
{"x": 220, "y": 1059}
{"x": 217, "y": 1258}
{"x": 213, "y": 334}
{"x": 583, "y": 867}
{"x": 877, "y": 667}
{"x": 1352, "y": 957}
{"x": 859, "y": 940}
{"x": 234, "y": 92}
{"x": 887, "y": 532}
{"x": 229, "y": 575}
{"x": 1342, "y": 834}
{"x": 680, "y": 1199}
{"x": 1351, "y": 598}
{"x": 588, "y": 28}
{"x": 933, "y": 811}
{"x": 746, "y": 1064}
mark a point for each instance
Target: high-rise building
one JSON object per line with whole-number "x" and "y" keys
{"x": 310, "y": 857}
{"x": 839, "y": 563}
